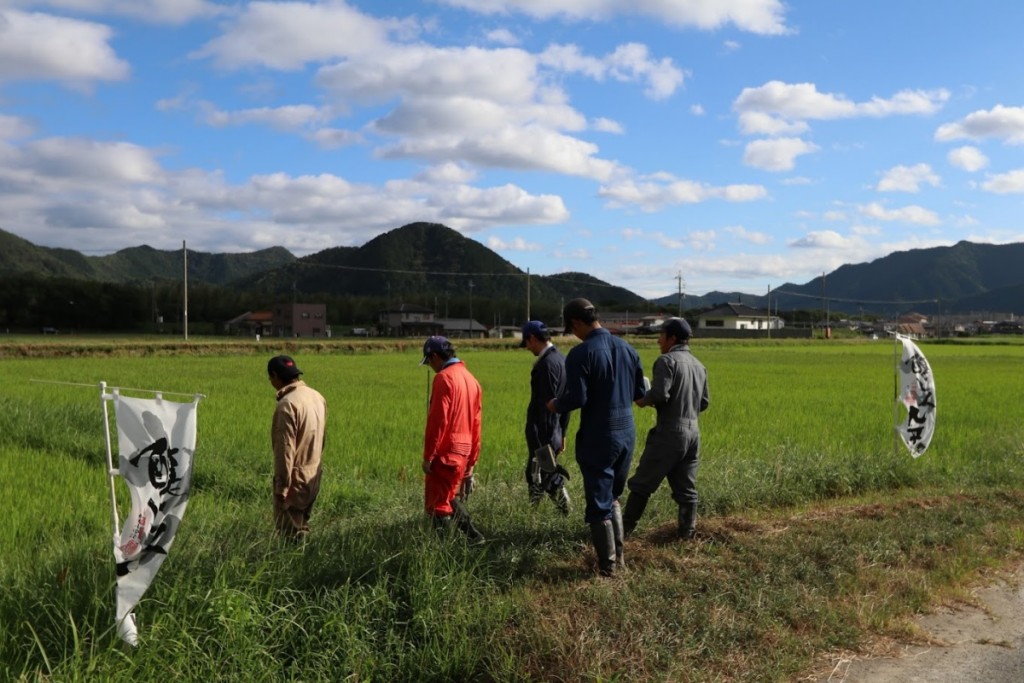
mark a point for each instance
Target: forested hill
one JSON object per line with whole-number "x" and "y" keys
{"x": 136, "y": 264}
{"x": 421, "y": 262}
{"x": 962, "y": 278}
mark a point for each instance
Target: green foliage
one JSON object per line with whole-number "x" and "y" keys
{"x": 794, "y": 430}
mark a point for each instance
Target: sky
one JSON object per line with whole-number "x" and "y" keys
{"x": 729, "y": 145}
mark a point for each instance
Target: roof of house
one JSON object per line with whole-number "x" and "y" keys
{"x": 734, "y": 311}
{"x": 407, "y": 308}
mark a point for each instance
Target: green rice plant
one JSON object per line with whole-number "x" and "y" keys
{"x": 376, "y": 595}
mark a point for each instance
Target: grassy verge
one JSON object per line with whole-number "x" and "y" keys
{"x": 814, "y": 536}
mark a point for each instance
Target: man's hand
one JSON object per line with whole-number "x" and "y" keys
{"x": 468, "y": 486}
{"x": 426, "y": 466}
{"x": 551, "y": 406}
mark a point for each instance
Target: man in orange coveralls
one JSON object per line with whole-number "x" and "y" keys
{"x": 451, "y": 443}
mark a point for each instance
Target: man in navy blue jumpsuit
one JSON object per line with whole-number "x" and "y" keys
{"x": 547, "y": 379}
{"x": 603, "y": 378}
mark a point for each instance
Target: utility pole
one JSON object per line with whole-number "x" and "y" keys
{"x": 528, "y": 294}
{"x": 184, "y": 314}
{"x": 823, "y": 312}
{"x": 679, "y": 280}
{"x": 470, "y": 309}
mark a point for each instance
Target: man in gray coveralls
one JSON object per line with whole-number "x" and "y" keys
{"x": 679, "y": 392}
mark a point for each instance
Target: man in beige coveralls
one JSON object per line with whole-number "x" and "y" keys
{"x": 297, "y": 433}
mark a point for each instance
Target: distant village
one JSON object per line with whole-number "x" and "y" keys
{"x": 728, "y": 320}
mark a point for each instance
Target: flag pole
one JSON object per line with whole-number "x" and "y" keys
{"x": 111, "y": 472}
{"x": 895, "y": 393}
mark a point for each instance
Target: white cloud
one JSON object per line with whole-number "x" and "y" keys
{"x": 447, "y": 172}
{"x": 289, "y": 117}
{"x": 967, "y": 158}
{"x": 753, "y": 237}
{"x": 12, "y": 127}
{"x": 44, "y": 47}
{"x": 526, "y": 148}
{"x": 1004, "y": 123}
{"x": 152, "y": 11}
{"x": 696, "y": 110}
{"x": 760, "y": 123}
{"x": 334, "y": 138}
{"x": 502, "y": 36}
{"x": 907, "y": 214}
{"x": 517, "y": 244}
{"x": 629, "y": 63}
{"x": 653, "y": 194}
{"x": 826, "y": 239}
{"x": 112, "y": 194}
{"x": 777, "y": 154}
{"x": 834, "y": 215}
{"x": 907, "y": 178}
{"x": 756, "y": 16}
{"x": 796, "y": 102}
{"x": 288, "y": 35}
{"x": 607, "y": 126}
{"x": 1005, "y": 183}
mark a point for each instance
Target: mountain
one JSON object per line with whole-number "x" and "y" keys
{"x": 962, "y": 278}
{"x": 427, "y": 262}
{"x": 135, "y": 264}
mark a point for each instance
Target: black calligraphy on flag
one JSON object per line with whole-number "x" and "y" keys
{"x": 156, "y": 441}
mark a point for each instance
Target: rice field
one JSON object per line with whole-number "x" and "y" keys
{"x": 373, "y": 595}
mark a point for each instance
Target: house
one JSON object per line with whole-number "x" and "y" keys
{"x": 251, "y": 323}
{"x": 300, "y": 320}
{"x": 461, "y": 328}
{"x": 912, "y": 330}
{"x": 650, "y": 324}
{"x": 408, "y": 320}
{"x": 738, "y": 317}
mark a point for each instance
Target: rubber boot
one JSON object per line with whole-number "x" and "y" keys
{"x": 603, "y": 537}
{"x": 687, "y": 520}
{"x": 561, "y": 500}
{"x": 619, "y": 535}
{"x": 464, "y": 524}
{"x": 441, "y": 524}
{"x": 635, "y": 506}
{"x": 536, "y": 494}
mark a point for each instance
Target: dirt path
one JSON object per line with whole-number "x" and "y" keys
{"x": 964, "y": 643}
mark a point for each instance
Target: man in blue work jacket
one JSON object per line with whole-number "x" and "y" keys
{"x": 603, "y": 378}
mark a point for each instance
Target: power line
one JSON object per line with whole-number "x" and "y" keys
{"x": 855, "y": 301}
{"x": 367, "y": 269}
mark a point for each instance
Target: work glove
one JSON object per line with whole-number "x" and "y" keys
{"x": 467, "y": 487}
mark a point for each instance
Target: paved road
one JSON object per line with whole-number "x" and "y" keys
{"x": 983, "y": 644}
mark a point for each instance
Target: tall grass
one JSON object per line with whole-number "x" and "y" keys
{"x": 374, "y": 595}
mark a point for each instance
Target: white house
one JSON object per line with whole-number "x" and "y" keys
{"x": 739, "y": 317}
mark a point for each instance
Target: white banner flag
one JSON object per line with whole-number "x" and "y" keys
{"x": 917, "y": 394}
{"x": 156, "y": 440}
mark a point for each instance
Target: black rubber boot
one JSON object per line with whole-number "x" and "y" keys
{"x": 442, "y": 525}
{"x": 619, "y": 535}
{"x": 464, "y": 524}
{"x": 603, "y": 537}
{"x": 687, "y": 520}
{"x": 635, "y": 506}
{"x": 561, "y": 499}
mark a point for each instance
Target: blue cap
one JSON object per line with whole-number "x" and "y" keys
{"x": 436, "y": 344}
{"x": 534, "y": 328}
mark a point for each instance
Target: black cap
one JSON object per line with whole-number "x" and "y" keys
{"x": 578, "y": 309}
{"x": 284, "y": 367}
{"x": 678, "y": 328}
